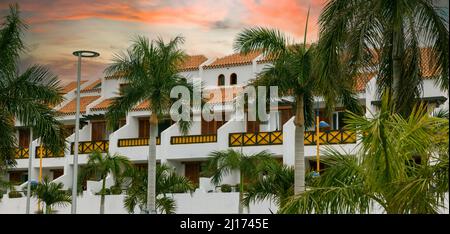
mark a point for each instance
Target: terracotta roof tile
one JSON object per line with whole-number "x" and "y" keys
{"x": 103, "y": 105}
{"x": 71, "y": 86}
{"x": 234, "y": 60}
{"x": 115, "y": 76}
{"x": 362, "y": 79}
{"x": 70, "y": 108}
{"x": 192, "y": 62}
{"x": 235, "y": 90}
{"x": 94, "y": 87}
{"x": 142, "y": 106}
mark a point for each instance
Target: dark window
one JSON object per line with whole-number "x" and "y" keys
{"x": 338, "y": 120}
{"x": 286, "y": 114}
{"x": 233, "y": 79}
{"x": 121, "y": 88}
{"x": 221, "y": 80}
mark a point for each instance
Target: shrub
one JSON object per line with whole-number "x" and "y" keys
{"x": 14, "y": 194}
{"x": 225, "y": 188}
{"x": 116, "y": 190}
{"x": 107, "y": 192}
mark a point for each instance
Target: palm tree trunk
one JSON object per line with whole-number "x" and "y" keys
{"x": 241, "y": 192}
{"x": 48, "y": 209}
{"x": 102, "y": 196}
{"x": 151, "y": 184}
{"x": 299, "y": 166}
{"x": 396, "y": 62}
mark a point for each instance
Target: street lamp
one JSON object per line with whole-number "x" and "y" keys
{"x": 79, "y": 54}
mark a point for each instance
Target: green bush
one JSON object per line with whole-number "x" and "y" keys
{"x": 116, "y": 190}
{"x": 225, "y": 188}
{"x": 107, "y": 192}
{"x": 14, "y": 194}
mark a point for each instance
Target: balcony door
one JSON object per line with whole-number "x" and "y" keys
{"x": 211, "y": 127}
{"x": 192, "y": 171}
{"x": 24, "y": 137}
{"x": 99, "y": 132}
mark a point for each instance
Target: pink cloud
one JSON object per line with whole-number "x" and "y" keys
{"x": 286, "y": 15}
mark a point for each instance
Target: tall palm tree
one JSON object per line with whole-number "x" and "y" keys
{"x": 402, "y": 165}
{"x": 386, "y": 36}
{"x": 151, "y": 70}
{"x": 222, "y": 163}
{"x": 51, "y": 194}
{"x": 27, "y": 97}
{"x": 167, "y": 181}
{"x": 294, "y": 71}
{"x": 100, "y": 166}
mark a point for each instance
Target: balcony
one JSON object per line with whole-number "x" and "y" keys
{"x": 255, "y": 139}
{"x": 87, "y": 147}
{"x": 22, "y": 153}
{"x": 193, "y": 139}
{"x": 131, "y": 142}
{"x": 46, "y": 153}
{"x": 276, "y": 138}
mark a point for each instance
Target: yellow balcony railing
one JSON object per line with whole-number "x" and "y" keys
{"x": 131, "y": 142}
{"x": 254, "y": 139}
{"x": 193, "y": 139}
{"x": 330, "y": 137}
{"x": 46, "y": 153}
{"x": 87, "y": 147}
{"x": 22, "y": 153}
{"x": 276, "y": 138}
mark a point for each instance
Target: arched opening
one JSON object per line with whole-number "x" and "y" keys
{"x": 221, "y": 80}
{"x": 233, "y": 79}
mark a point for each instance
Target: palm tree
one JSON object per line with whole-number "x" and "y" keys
{"x": 51, "y": 194}
{"x": 100, "y": 166}
{"x": 222, "y": 163}
{"x": 277, "y": 184}
{"x": 167, "y": 181}
{"x": 402, "y": 165}
{"x": 386, "y": 37}
{"x": 294, "y": 71}
{"x": 26, "y": 97}
{"x": 151, "y": 70}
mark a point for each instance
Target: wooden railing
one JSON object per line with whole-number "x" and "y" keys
{"x": 22, "y": 153}
{"x": 276, "y": 138}
{"x": 87, "y": 147}
{"x": 131, "y": 142}
{"x": 193, "y": 139}
{"x": 330, "y": 137}
{"x": 254, "y": 139}
{"x": 46, "y": 153}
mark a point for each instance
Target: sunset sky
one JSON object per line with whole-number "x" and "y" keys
{"x": 57, "y": 28}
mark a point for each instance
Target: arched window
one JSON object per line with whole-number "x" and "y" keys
{"x": 233, "y": 79}
{"x": 221, "y": 80}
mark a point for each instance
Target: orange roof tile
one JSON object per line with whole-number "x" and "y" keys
{"x": 71, "y": 86}
{"x": 235, "y": 90}
{"x": 234, "y": 60}
{"x": 115, "y": 76}
{"x": 70, "y": 108}
{"x": 92, "y": 87}
{"x": 145, "y": 105}
{"x": 192, "y": 62}
{"x": 362, "y": 79}
{"x": 103, "y": 105}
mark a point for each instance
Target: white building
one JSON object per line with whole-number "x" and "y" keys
{"x": 187, "y": 153}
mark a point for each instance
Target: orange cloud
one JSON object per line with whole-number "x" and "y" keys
{"x": 197, "y": 13}
{"x": 286, "y": 15}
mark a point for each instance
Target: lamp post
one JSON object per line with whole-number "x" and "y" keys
{"x": 79, "y": 54}
{"x": 319, "y": 124}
